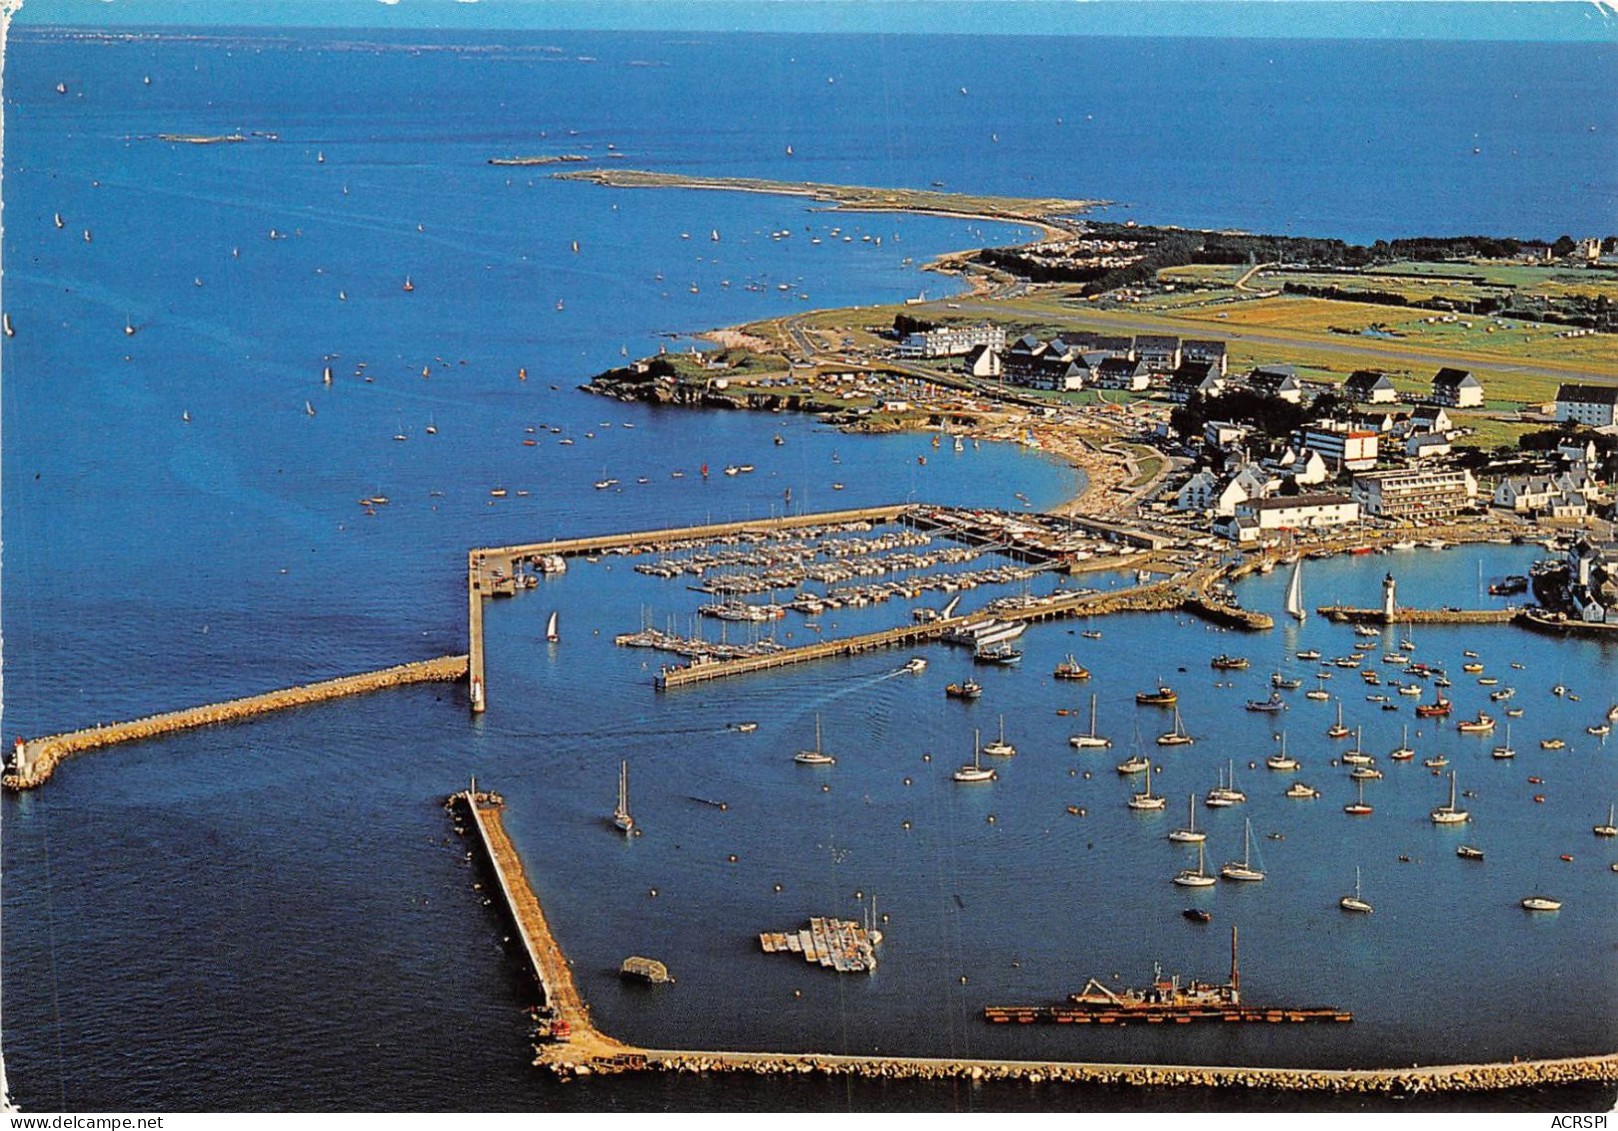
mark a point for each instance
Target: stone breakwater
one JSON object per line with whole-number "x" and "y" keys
{"x": 34, "y": 760}
{"x": 1390, "y": 1081}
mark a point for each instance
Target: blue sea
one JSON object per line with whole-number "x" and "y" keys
{"x": 276, "y": 915}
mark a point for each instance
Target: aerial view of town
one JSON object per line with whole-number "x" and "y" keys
{"x": 804, "y": 556}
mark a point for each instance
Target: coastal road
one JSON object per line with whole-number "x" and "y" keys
{"x": 1357, "y": 348}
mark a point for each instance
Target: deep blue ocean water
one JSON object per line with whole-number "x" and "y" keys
{"x": 275, "y": 915}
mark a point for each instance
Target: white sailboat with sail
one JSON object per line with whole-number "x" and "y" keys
{"x": 1090, "y": 740}
{"x": 552, "y": 633}
{"x": 621, "y": 820}
{"x": 1295, "y": 594}
{"x": 1243, "y": 870}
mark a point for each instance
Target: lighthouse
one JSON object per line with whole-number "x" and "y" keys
{"x": 1389, "y": 595}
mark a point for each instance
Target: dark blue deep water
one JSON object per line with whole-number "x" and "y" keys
{"x": 275, "y": 915}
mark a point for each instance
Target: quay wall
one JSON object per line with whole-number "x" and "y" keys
{"x": 36, "y": 759}
{"x": 1341, "y": 615}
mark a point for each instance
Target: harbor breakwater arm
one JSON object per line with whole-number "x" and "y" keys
{"x": 34, "y": 760}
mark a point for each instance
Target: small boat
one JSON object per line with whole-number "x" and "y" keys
{"x": 129, "y": 328}
{"x": 408, "y": 285}
{"x": 1468, "y": 852}
{"x": 1483, "y": 724}
{"x": 1164, "y": 696}
{"x": 1197, "y": 915}
{"x": 1551, "y": 744}
{"x": 1610, "y": 828}
{"x": 1403, "y": 752}
{"x": 308, "y": 409}
{"x": 551, "y": 633}
{"x": 60, "y": 223}
{"x": 1137, "y": 762}
{"x": 325, "y": 378}
{"x": 621, "y": 820}
{"x": 1505, "y": 749}
{"x": 1354, "y": 902}
{"x": 1337, "y": 729}
{"x": 1226, "y": 663}
{"x": 1281, "y": 760}
{"x": 1471, "y": 669}
{"x": 1308, "y": 654}
{"x": 1090, "y": 740}
{"x": 1270, "y": 705}
{"x": 744, "y": 728}
{"x": 916, "y": 664}
{"x": 1243, "y": 870}
{"x": 1177, "y": 736}
{"x": 1070, "y": 668}
{"x": 497, "y": 492}
{"x": 1002, "y": 653}
{"x": 1294, "y": 599}
{"x": 1000, "y": 748}
{"x": 1282, "y": 683}
{"x": 964, "y": 690}
{"x": 1600, "y": 730}
{"x": 1488, "y": 681}
{"x": 1436, "y": 762}
{"x": 1437, "y": 709}
{"x": 186, "y": 416}
{"x": 1358, "y": 807}
{"x": 817, "y": 756}
{"x": 1541, "y": 903}
{"x": 1190, "y": 834}
{"x": 1197, "y": 879}
{"x": 1301, "y": 792}
{"x": 1318, "y": 694}
{"x": 1147, "y": 800}
{"x": 975, "y": 773}
{"x": 1559, "y": 690}
{"x": 1091, "y": 634}
{"x": 1513, "y": 712}
{"x": 1225, "y": 793}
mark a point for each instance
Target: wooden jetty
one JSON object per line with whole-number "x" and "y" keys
{"x": 837, "y": 944}
{"x": 588, "y": 1051}
{"x": 34, "y": 760}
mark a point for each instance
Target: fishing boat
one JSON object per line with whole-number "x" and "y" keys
{"x": 1227, "y": 663}
{"x": 1468, "y": 852}
{"x": 1308, "y": 654}
{"x": 1269, "y": 706}
{"x": 551, "y": 632}
{"x": 1190, "y": 834}
{"x": 1283, "y": 683}
{"x": 1147, "y": 800}
{"x": 1358, "y": 807}
{"x": 1354, "y": 902}
{"x": 1437, "y": 709}
{"x": 1403, "y": 752}
{"x": 1177, "y": 736}
{"x": 1200, "y": 878}
{"x": 1483, "y": 724}
{"x": 1070, "y": 668}
{"x": 1000, "y": 748}
{"x": 915, "y": 664}
{"x": 1505, "y": 749}
{"x": 1090, "y": 740}
{"x": 1294, "y": 601}
{"x": 1244, "y": 870}
{"x": 967, "y": 689}
{"x": 621, "y": 820}
{"x": 1541, "y": 903}
{"x": 1301, "y": 792}
{"x": 1164, "y": 696}
{"x": 1003, "y": 654}
{"x": 1610, "y": 828}
{"x": 1337, "y": 729}
{"x": 1436, "y": 762}
{"x": 975, "y": 773}
{"x": 1281, "y": 760}
{"x": 817, "y": 756}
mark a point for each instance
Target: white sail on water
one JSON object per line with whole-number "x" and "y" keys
{"x": 1295, "y": 593}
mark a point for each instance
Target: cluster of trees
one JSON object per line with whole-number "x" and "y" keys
{"x": 1275, "y": 418}
{"x": 1487, "y": 304}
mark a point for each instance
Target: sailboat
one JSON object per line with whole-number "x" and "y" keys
{"x": 1137, "y": 760}
{"x": 6, "y": 319}
{"x": 1281, "y": 760}
{"x": 325, "y": 378}
{"x": 551, "y": 633}
{"x": 1225, "y": 793}
{"x": 60, "y": 223}
{"x": 1000, "y": 748}
{"x": 1448, "y": 814}
{"x": 1505, "y": 750}
{"x": 1244, "y": 870}
{"x": 1608, "y": 829}
{"x": 1198, "y": 879}
{"x": 1177, "y": 736}
{"x": 1354, "y": 902}
{"x": 1319, "y": 693}
{"x": 1295, "y": 594}
{"x": 1403, "y": 752}
{"x": 817, "y": 756}
{"x": 1091, "y": 740}
{"x": 974, "y": 773}
{"x": 432, "y": 425}
{"x": 621, "y": 819}
{"x": 129, "y": 328}
{"x": 408, "y": 285}
{"x": 1358, "y": 808}
{"x": 308, "y": 409}
{"x": 1147, "y": 800}
{"x": 1190, "y": 834}
{"x": 1337, "y": 729}
{"x": 1356, "y": 756}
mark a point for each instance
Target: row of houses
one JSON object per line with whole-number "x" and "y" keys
{"x": 1450, "y": 388}
{"x": 1084, "y": 360}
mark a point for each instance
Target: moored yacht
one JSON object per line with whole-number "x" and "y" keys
{"x": 1000, "y": 748}
{"x": 1092, "y": 740}
{"x": 975, "y": 773}
{"x": 1147, "y": 800}
{"x": 1197, "y": 879}
{"x": 1177, "y": 736}
{"x": 1190, "y": 834}
{"x": 1355, "y": 902}
{"x": 1243, "y": 870}
{"x": 1281, "y": 760}
{"x": 817, "y": 756}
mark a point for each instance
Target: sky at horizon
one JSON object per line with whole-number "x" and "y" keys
{"x": 1554, "y": 21}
